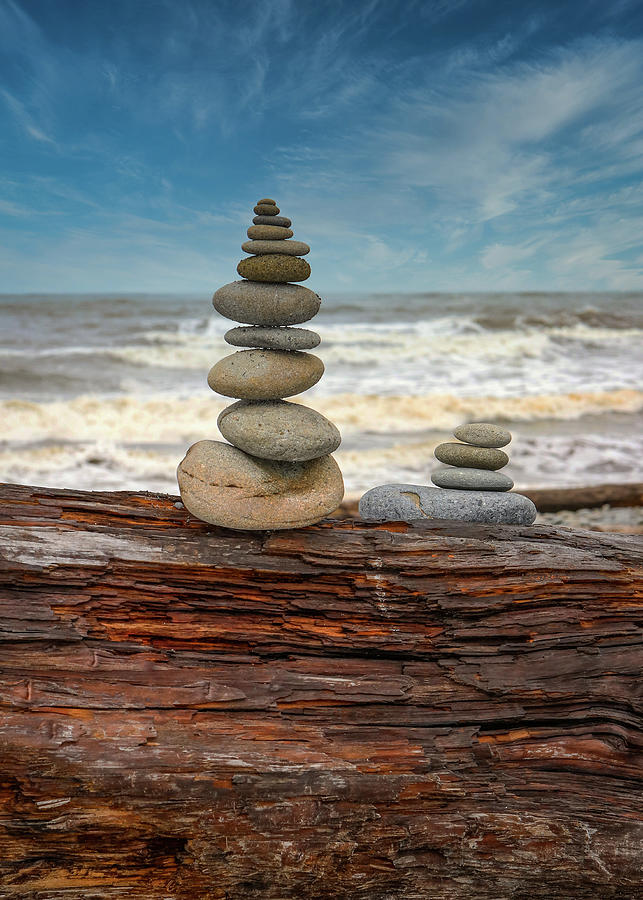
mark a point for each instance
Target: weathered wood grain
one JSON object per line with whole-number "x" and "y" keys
{"x": 348, "y": 710}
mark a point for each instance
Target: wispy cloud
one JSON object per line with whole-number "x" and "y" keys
{"x": 445, "y": 145}
{"x": 24, "y": 119}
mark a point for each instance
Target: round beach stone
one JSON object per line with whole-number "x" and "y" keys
{"x": 265, "y": 374}
{"x": 472, "y": 480}
{"x": 471, "y": 457}
{"x": 266, "y": 209}
{"x": 274, "y": 267}
{"x": 483, "y": 434}
{"x": 258, "y": 303}
{"x": 276, "y": 429}
{"x": 268, "y": 233}
{"x": 225, "y": 486}
{"x": 290, "y": 248}
{"x": 272, "y": 220}
{"x": 410, "y": 502}
{"x": 266, "y": 200}
{"x": 272, "y": 338}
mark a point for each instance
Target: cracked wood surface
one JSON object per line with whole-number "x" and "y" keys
{"x": 348, "y": 710}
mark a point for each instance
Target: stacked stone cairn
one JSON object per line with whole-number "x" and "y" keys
{"x": 469, "y": 488}
{"x": 277, "y": 471}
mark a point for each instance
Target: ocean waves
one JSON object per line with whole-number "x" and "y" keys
{"x": 160, "y": 418}
{"x": 551, "y": 457}
{"x": 109, "y": 392}
{"x": 414, "y": 360}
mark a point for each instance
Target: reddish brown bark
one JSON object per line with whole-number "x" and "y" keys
{"x": 348, "y": 710}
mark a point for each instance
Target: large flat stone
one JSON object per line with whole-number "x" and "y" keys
{"x": 257, "y": 303}
{"x": 224, "y": 486}
{"x": 276, "y": 429}
{"x": 410, "y": 502}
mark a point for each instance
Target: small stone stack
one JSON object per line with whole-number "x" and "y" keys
{"x": 277, "y": 471}
{"x": 471, "y": 488}
{"x": 473, "y": 464}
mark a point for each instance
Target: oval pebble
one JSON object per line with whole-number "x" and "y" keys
{"x": 472, "y": 480}
{"x": 483, "y": 434}
{"x": 258, "y": 303}
{"x": 471, "y": 457}
{"x": 276, "y": 429}
{"x": 272, "y": 220}
{"x": 265, "y": 374}
{"x": 272, "y": 338}
{"x": 290, "y": 248}
{"x": 275, "y": 267}
{"x": 224, "y": 486}
{"x": 268, "y": 233}
{"x": 266, "y": 209}
{"x": 266, "y": 200}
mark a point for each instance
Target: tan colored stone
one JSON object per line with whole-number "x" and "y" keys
{"x": 290, "y": 248}
{"x": 266, "y": 209}
{"x": 276, "y": 429}
{"x": 224, "y": 486}
{"x": 275, "y": 267}
{"x": 257, "y": 303}
{"x": 471, "y": 457}
{"x": 268, "y": 233}
{"x": 266, "y": 200}
{"x": 265, "y": 374}
{"x": 483, "y": 434}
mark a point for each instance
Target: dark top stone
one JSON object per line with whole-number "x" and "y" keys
{"x": 272, "y": 220}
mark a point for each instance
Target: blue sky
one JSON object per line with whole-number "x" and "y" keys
{"x": 450, "y": 145}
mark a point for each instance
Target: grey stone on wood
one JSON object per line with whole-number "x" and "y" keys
{"x": 413, "y": 502}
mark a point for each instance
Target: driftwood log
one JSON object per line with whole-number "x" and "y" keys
{"x": 555, "y": 499}
{"x": 349, "y": 710}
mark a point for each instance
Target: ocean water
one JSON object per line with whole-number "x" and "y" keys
{"x": 106, "y": 392}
